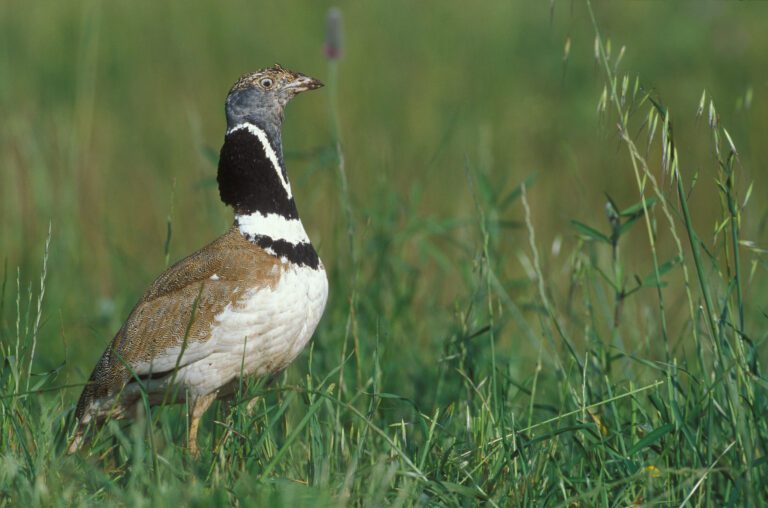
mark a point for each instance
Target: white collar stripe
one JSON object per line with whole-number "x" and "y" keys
{"x": 272, "y": 225}
{"x": 271, "y": 155}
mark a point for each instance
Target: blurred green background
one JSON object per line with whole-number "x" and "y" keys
{"x": 112, "y": 117}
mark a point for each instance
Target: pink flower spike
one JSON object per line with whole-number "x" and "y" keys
{"x": 334, "y": 34}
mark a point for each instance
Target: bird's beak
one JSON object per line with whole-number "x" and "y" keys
{"x": 303, "y": 83}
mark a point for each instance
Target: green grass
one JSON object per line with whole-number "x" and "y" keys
{"x": 544, "y": 251}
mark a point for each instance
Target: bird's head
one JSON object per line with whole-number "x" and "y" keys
{"x": 260, "y": 97}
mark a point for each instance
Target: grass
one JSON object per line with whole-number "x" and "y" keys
{"x": 460, "y": 361}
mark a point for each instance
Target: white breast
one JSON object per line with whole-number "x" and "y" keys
{"x": 263, "y": 332}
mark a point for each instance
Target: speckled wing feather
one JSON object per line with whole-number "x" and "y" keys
{"x": 176, "y": 313}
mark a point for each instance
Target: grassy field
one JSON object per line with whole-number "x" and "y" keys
{"x": 544, "y": 226}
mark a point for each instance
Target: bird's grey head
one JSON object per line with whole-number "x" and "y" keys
{"x": 260, "y": 97}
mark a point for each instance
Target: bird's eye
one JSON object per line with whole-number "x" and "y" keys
{"x": 266, "y": 83}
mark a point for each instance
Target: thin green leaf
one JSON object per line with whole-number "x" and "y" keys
{"x": 589, "y": 232}
{"x": 651, "y": 438}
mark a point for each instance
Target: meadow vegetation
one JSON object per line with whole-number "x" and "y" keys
{"x": 543, "y": 224}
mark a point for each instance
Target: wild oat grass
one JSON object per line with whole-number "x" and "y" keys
{"x": 471, "y": 357}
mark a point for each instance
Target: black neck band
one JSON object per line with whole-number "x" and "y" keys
{"x": 297, "y": 253}
{"x": 248, "y": 181}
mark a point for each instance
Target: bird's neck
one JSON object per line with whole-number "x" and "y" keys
{"x": 252, "y": 176}
{"x": 253, "y": 180}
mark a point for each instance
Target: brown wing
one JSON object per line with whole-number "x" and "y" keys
{"x": 177, "y": 312}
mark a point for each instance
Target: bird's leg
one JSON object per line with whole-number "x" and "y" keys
{"x": 199, "y": 406}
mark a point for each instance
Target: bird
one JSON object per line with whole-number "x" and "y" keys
{"x": 245, "y": 305}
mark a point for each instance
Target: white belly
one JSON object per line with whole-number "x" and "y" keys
{"x": 263, "y": 332}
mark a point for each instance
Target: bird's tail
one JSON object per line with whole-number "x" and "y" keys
{"x": 84, "y": 409}
{"x": 81, "y": 419}
{"x": 77, "y": 440}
